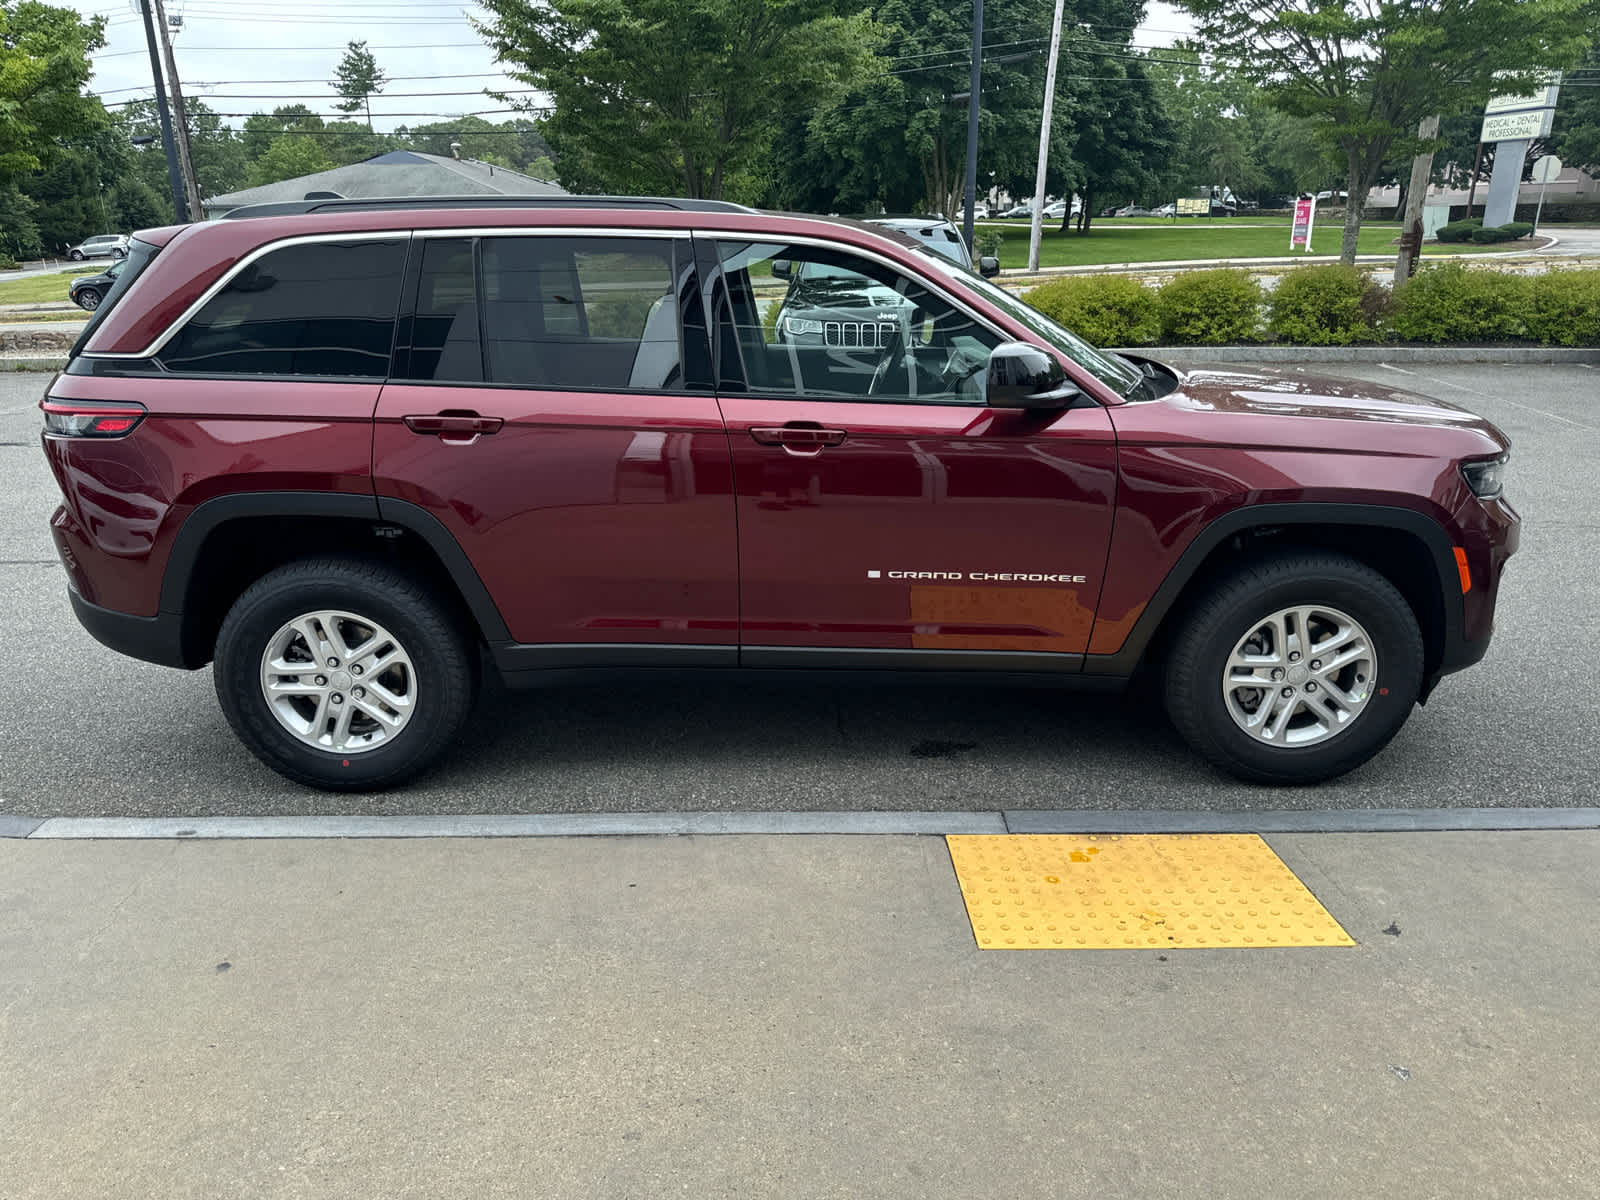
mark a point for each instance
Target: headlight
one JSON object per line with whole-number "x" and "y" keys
{"x": 1486, "y": 477}
{"x": 799, "y": 325}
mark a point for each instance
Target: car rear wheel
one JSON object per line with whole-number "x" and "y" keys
{"x": 343, "y": 675}
{"x": 1295, "y": 669}
{"x": 88, "y": 299}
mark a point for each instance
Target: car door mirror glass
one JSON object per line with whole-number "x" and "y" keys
{"x": 988, "y": 266}
{"x": 782, "y": 268}
{"x": 1022, "y": 375}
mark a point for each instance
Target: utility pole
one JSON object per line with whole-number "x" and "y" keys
{"x": 1472, "y": 190}
{"x": 180, "y": 204}
{"x": 191, "y": 186}
{"x": 1036, "y": 222}
{"x": 971, "y": 190}
{"x": 1416, "y": 197}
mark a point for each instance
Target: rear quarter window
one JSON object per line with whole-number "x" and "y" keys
{"x": 139, "y": 257}
{"x": 322, "y": 308}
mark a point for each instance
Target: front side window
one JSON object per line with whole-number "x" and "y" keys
{"x": 817, "y": 322}
{"x": 322, "y": 308}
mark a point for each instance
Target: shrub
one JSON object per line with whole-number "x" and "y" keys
{"x": 989, "y": 241}
{"x": 1449, "y": 303}
{"x": 1519, "y": 229}
{"x": 1107, "y": 310}
{"x": 1210, "y": 308}
{"x": 7, "y": 263}
{"x": 1459, "y": 231}
{"x": 1492, "y": 233}
{"x": 1564, "y": 308}
{"x": 1330, "y": 305}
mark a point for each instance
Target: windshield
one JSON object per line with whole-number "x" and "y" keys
{"x": 126, "y": 271}
{"x": 1108, "y": 369}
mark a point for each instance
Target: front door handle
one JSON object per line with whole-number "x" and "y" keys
{"x": 454, "y": 427}
{"x": 804, "y": 440}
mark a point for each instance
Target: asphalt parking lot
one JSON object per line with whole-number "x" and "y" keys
{"x": 89, "y": 733}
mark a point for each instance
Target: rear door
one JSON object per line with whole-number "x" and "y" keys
{"x": 882, "y": 505}
{"x": 553, "y": 410}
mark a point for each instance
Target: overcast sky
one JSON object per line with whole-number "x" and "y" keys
{"x": 243, "y": 56}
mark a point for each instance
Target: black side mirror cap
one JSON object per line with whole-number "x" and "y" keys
{"x": 988, "y": 266}
{"x": 1021, "y": 375}
{"x": 782, "y": 268}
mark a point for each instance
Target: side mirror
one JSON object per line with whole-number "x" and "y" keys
{"x": 1023, "y": 376}
{"x": 782, "y": 268}
{"x": 988, "y": 266}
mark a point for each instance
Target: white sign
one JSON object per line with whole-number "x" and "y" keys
{"x": 1546, "y": 169}
{"x": 1511, "y": 101}
{"x": 1511, "y": 127}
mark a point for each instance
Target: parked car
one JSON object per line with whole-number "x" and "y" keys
{"x": 980, "y": 211}
{"x": 88, "y": 291}
{"x": 1058, "y": 210}
{"x": 544, "y": 435}
{"x": 104, "y": 245}
{"x": 1169, "y": 209}
{"x": 1135, "y": 210}
{"x": 1025, "y": 211}
{"x": 941, "y": 236}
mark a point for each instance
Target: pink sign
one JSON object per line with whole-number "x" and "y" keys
{"x": 1305, "y": 216}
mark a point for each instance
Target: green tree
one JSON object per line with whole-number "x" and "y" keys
{"x": 44, "y": 65}
{"x": 218, "y": 153}
{"x": 357, "y": 79}
{"x": 262, "y": 129}
{"x": 1122, "y": 137}
{"x": 1366, "y": 72}
{"x": 19, "y": 232}
{"x": 288, "y": 157}
{"x": 675, "y": 96}
{"x": 136, "y": 205}
{"x": 1576, "y": 135}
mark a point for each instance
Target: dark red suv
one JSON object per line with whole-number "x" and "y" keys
{"x": 356, "y": 453}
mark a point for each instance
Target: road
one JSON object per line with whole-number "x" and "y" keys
{"x": 88, "y": 732}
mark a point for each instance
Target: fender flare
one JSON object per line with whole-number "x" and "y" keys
{"x": 210, "y": 515}
{"x": 1309, "y": 513}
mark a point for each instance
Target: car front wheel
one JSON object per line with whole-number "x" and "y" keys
{"x": 88, "y": 299}
{"x": 345, "y": 675}
{"x": 76, "y": 256}
{"x": 1295, "y": 669}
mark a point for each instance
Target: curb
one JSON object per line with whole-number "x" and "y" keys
{"x": 1526, "y": 355}
{"x": 704, "y": 824}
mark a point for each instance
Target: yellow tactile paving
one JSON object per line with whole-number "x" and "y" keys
{"x": 1135, "y": 892}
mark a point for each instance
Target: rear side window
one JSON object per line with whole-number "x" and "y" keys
{"x": 554, "y": 312}
{"x": 324, "y": 308}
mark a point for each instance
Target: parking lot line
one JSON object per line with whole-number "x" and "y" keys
{"x": 1141, "y": 892}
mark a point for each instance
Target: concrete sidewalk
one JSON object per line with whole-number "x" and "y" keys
{"x": 777, "y": 1016}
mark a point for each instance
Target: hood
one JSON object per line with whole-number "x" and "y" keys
{"x": 1269, "y": 409}
{"x": 1276, "y": 394}
{"x": 867, "y": 302}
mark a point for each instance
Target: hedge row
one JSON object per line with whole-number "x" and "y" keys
{"x": 1329, "y": 305}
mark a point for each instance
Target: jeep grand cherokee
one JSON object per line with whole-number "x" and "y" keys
{"x": 354, "y": 453}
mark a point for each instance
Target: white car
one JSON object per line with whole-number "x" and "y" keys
{"x": 103, "y": 245}
{"x": 1058, "y": 210}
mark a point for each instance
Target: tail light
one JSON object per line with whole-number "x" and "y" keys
{"x": 88, "y": 418}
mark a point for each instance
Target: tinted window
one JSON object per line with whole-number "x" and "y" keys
{"x": 327, "y": 308}
{"x": 581, "y": 313}
{"x": 129, "y": 269}
{"x": 820, "y": 323}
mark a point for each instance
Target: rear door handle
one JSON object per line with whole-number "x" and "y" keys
{"x": 805, "y": 440}
{"x": 454, "y": 426}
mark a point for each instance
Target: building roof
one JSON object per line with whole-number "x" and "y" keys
{"x": 397, "y": 173}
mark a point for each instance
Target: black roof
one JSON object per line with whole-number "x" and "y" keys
{"x": 286, "y": 208}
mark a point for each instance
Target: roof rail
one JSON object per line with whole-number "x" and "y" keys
{"x": 288, "y": 208}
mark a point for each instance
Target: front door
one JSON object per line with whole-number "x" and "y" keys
{"x": 882, "y": 505}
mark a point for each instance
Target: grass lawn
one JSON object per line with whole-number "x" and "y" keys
{"x": 54, "y": 287}
{"x": 77, "y": 315}
{"x": 1130, "y": 241}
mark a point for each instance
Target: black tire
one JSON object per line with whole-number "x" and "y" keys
{"x": 1215, "y": 624}
{"x": 119, "y": 253}
{"x": 445, "y": 663}
{"x": 76, "y": 256}
{"x": 88, "y": 299}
